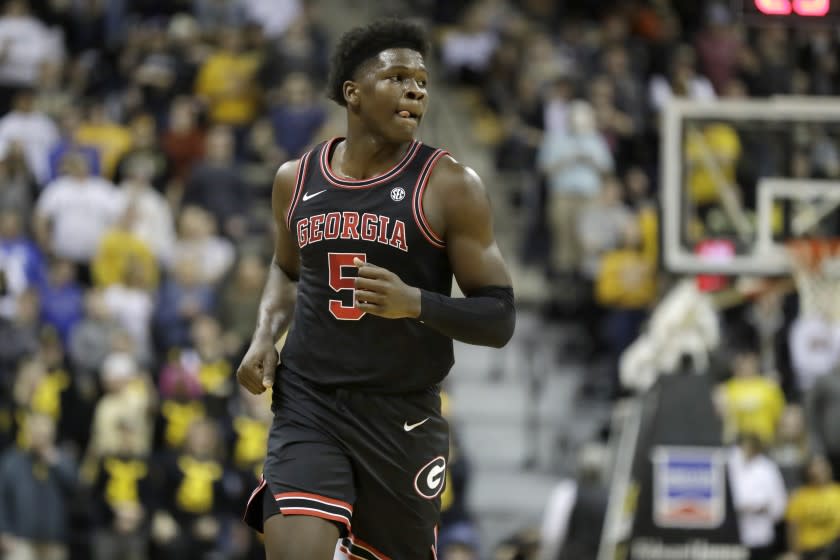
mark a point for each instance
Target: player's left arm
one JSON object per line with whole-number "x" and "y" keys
{"x": 457, "y": 204}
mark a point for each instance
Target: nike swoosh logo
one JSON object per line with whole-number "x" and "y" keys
{"x": 307, "y": 196}
{"x": 408, "y": 427}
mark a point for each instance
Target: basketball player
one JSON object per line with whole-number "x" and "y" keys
{"x": 371, "y": 229}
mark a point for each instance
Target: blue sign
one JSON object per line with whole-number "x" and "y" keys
{"x": 689, "y": 487}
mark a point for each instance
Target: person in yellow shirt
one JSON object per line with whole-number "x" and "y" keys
{"x": 712, "y": 156}
{"x": 227, "y": 82}
{"x": 627, "y": 276}
{"x": 751, "y": 402}
{"x": 626, "y": 288}
{"x": 111, "y": 139}
{"x": 813, "y": 515}
{"x": 119, "y": 251}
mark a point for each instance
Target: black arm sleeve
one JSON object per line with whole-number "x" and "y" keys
{"x": 486, "y": 317}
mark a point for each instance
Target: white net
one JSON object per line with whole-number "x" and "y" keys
{"x": 816, "y": 271}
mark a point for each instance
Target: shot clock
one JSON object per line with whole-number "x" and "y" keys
{"x": 821, "y": 12}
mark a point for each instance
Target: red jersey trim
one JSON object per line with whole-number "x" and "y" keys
{"x": 263, "y": 483}
{"x": 315, "y": 497}
{"x": 300, "y": 179}
{"x": 417, "y": 201}
{"x": 356, "y": 542}
{"x": 311, "y": 512}
{"x": 340, "y": 182}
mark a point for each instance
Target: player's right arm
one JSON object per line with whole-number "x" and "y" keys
{"x": 256, "y": 372}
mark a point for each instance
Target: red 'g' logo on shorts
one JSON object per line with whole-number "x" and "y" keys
{"x": 430, "y": 479}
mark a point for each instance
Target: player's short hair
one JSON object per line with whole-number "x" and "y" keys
{"x": 363, "y": 43}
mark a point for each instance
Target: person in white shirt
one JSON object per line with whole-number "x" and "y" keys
{"x": 75, "y": 210}
{"x": 154, "y": 223}
{"x": 25, "y": 45}
{"x": 758, "y": 494}
{"x": 33, "y": 131}
{"x": 198, "y": 243}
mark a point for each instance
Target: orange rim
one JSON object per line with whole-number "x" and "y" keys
{"x": 809, "y": 253}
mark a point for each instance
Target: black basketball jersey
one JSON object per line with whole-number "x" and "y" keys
{"x": 379, "y": 220}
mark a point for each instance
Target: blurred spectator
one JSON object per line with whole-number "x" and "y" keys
{"x": 262, "y": 157}
{"x": 751, "y": 403}
{"x": 22, "y": 265}
{"x": 153, "y": 68}
{"x": 628, "y": 90}
{"x": 814, "y": 343}
{"x": 682, "y": 81}
{"x": 131, "y": 303}
{"x": 601, "y": 226}
{"x": 616, "y": 126}
{"x": 186, "y": 525}
{"x": 215, "y": 370}
{"x": 37, "y": 483}
{"x": 758, "y": 494}
{"x": 210, "y": 255}
{"x": 18, "y": 187}
{"x": 25, "y": 44}
{"x": 145, "y": 154}
{"x": 91, "y": 340}
{"x": 226, "y": 82}
{"x": 183, "y": 297}
{"x": 557, "y": 102}
{"x": 62, "y": 298}
{"x": 589, "y": 509}
{"x": 119, "y": 250}
{"x": 767, "y": 68}
{"x": 626, "y": 289}
{"x": 573, "y": 164}
{"x": 297, "y": 116}
{"x": 216, "y": 185}
{"x": 240, "y": 299}
{"x": 274, "y": 16}
{"x": 123, "y": 500}
{"x": 467, "y": 50}
{"x": 126, "y": 401}
{"x": 214, "y": 15}
{"x": 181, "y": 404}
{"x": 74, "y": 211}
{"x": 823, "y": 413}
{"x": 792, "y": 446}
{"x": 35, "y": 132}
{"x": 100, "y": 130}
{"x": 18, "y": 338}
{"x": 813, "y": 514}
{"x": 69, "y": 123}
{"x": 711, "y": 158}
{"x": 51, "y": 96}
{"x": 718, "y": 46}
{"x": 183, "y": 142}
{"x": 301, "y": 49}
{"x": 153, "y": 223}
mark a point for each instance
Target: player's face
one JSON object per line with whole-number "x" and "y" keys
{"x": 392, "y": 94}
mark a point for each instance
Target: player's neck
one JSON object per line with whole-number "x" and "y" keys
{"x": 363, "y": 155}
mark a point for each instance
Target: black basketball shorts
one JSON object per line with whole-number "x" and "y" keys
{"x": 373, "y": 464}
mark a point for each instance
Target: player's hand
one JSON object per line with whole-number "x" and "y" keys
{"x": 256, "y": 372}
{"x": 380, "y": 292}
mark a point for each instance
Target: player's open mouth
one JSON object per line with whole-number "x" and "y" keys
{"x": 408, "y": 115}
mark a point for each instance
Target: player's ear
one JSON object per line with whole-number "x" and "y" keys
{"x": 351, "y": 93}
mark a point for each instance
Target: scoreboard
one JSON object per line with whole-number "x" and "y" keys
{"x": 823, "y": 12}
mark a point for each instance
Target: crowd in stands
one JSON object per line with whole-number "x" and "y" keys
{"x": 138, "y": 142}
{"x": 568, "y": 96}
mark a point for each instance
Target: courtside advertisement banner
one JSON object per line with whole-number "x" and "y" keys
{"x": 689, "y": 487}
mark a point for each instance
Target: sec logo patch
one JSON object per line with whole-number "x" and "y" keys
{"x": 397, "y": 194}
{"x": 430, "y": 479}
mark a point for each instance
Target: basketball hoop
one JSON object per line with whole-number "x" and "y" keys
{"x": 816, "y": 271}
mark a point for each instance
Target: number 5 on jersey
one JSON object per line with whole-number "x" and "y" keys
{"x": 338, "y": 282}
